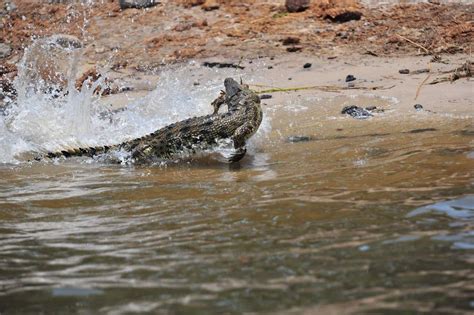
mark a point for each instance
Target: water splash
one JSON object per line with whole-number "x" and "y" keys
{"x": 51, "y": 113}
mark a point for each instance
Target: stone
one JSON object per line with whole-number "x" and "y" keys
{"x": 404, "y": 71}
{"x": 5, "y": 50}
{"x": 418, "y": 107}
{"x": 265, "y": 96}
{"x": 290, "y": 40}
{"x": 137, "y": 4}
{"x": 419, "y": 71}
{"x": 350, "y": 78}
{"x": 356, "y": 112}
{"x": 307, "y": 65}
{"x": 343, "y": 15}
{"x": 294, "y": 49}
{"x": 297, "y": 5}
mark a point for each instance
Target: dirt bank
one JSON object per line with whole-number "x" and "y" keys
{"x": 346, "y": 33}
{"x": 178, "y": 30}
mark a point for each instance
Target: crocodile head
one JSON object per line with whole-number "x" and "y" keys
{"x": 231, "y": 87}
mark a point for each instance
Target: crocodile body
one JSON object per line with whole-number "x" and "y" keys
{"x": 239, "y": 123}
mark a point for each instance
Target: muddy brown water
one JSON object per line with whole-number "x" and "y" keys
{"x": 371, "y": 216}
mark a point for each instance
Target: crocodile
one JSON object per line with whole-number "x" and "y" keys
{"x": 239, "y": 123}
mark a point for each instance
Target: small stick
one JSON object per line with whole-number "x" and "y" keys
{"x": 325, "y": 88}
{"x": 412, "y": 42}
{"x": 422, "y": 83}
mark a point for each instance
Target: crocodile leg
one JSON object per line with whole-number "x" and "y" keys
{"x": 241, "y": 134}
{"x": 239, "y": 137}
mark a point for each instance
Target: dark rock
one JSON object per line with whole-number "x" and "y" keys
{"x": 345, "y": 16}
{"x": 290, "y": 41}
{"x": 270, "y": 67}
{"x": 265, "y": 96}
{"x": 418, "y": 106}
{"x": 404, "y": 71}
{"x": 222, "y": 65}
{"x": 137, "y": 4}
{"x": 356, "y": 112}
{"x": 5, "y": 50}
{"x": 296, "y": 5}
{"x": 307, "y": 65}
{"x": 294, "y": 139}
{"x": 294, "y": 48}
{"x": 350, "y": 78}
{"x": 424, "y": 70}
{"x": 196, "y": 83}
{"x": 371, "y": 108}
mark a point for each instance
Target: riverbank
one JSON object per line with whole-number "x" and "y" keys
{"x": 177, "y": 31}
{"x": 433, "y": 41}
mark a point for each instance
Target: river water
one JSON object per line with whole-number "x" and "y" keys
{"x": 369, "y": 216}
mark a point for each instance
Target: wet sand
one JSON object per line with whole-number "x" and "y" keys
{"x": 375, "y": 76}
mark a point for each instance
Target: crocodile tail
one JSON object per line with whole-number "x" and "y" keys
{"x": 89, "y": 152}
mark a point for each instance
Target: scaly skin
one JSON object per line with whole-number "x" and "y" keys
{"x": 239, "y": 123}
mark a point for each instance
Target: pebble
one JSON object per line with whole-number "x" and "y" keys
{"x": 294, "y": 48}
{"x": 345, "y": 16}
{"x": 5, "y": 50}
{"x": 307, "y": 65}
{"x": 290, "y": 40}
{"x": 419, "y": 71}
{"x": 418, "y": 107}
{"x": 137, "y": 4}
{"x": 356, "y": 112}
{"x": 297, "y": 5}
{"x": 371, "y": 108}
{"x": 265, "y": 96}
{"x": 270, "y": 67}
{"x": 350, "y": 78}
{"x": 404, "y": 71}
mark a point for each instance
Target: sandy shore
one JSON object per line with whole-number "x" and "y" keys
{"x": 379, "y": 77}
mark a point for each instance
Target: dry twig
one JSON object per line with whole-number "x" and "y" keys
{"x": 325, "y": 88}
